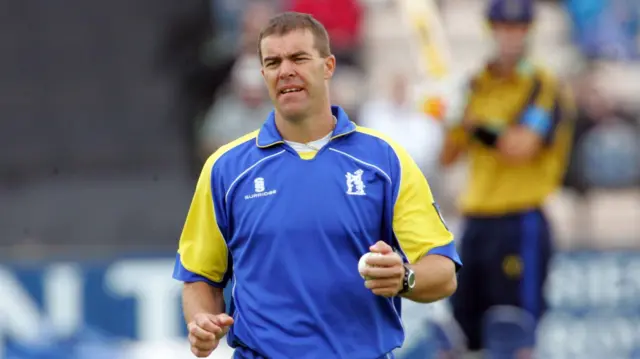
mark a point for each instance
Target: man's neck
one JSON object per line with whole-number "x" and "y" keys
{"x": 504, "y": 68}
{"x": 308, "y": 129}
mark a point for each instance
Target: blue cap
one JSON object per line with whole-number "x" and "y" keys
{"x": 512, "y": 11}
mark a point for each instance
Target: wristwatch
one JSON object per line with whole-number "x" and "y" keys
{"x": 409, "y": 280}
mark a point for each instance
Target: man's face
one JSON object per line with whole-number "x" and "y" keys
{"x": 295, "y": 73}
{"x": 511, "y": 40}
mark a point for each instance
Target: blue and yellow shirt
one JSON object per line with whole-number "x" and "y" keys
{"x": 290, "y": 231}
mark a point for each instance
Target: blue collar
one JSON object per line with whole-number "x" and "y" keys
{"x": 269, "y": 135}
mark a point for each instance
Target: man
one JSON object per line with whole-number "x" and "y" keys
{"x": 288, "y": 211}
{"x": 516, "y": 134}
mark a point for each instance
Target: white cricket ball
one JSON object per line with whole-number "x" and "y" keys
{"x": 362, "y": 263}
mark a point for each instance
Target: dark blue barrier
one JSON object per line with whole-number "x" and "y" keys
{"x": 595, "y": 311}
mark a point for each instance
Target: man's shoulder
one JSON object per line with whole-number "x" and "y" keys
{"x": 375, "y": 136}
{"x": 378, "y": 143}
{"x": 545, "y": 75}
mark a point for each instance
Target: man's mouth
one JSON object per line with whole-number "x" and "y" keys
{"x": 290, "y": 90}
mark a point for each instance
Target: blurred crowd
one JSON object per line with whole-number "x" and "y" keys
{"x": 224, "y": 97}
{"x": 223, "y": 92}
{"x": 158, "y": 96}
{"x": 110, "y": 108}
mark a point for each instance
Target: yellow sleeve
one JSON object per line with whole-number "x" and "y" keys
{"x": 458, "y": 136}
{"x": 417, "y": 223}
{"x": 203, "y": 253}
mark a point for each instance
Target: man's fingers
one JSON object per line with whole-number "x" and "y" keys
{"x": 383, "y": 272}
{"x": 205, "y": 333}
{"x": 382, "y": 283}
{"x": 208, "y": 325}
{"x": 203, "y": 345}
{"x": 384, "y": 287}
{"x": 385, "y": 292}
{"x": 200, "y": 353}
{"x": 223, "y": 320}
{"x": 201, "y": 334}
{"x": 381, "y": 247}
{"x": 387, "y": 260}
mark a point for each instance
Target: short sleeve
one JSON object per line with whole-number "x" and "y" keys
{"x": 202, "y": 252}
{"x": 543, "y": 115}
{"x": 417, "y": 223}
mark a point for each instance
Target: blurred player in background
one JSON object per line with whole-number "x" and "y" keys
{"x": 516, "y": 133}
{"x": 289, "y": 210}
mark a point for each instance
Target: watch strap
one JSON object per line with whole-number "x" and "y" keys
{"x": 405, "y": 280}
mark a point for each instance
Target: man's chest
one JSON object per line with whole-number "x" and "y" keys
{"x": 499, "y": 103}
{"x": 334, "y": 195}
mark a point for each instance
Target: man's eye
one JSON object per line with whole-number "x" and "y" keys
{"x": 300, "y": 59}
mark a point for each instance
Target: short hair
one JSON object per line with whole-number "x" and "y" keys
{"x": 287, "y": 22}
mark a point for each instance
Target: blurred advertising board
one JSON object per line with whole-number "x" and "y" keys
{"x": 130, "y": 308}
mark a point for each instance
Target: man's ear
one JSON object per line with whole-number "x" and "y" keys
{"x": 329, "y": 67}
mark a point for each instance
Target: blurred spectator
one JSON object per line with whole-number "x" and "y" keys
{"x": 605, "y": 29}
{"x": 183, "y": 53}
{"x": 591, "y": 106}
{"x": 255, "y": 16}
{"x": 606, "y": 151}
{"x": 231, "y": 17}
{"x": 397, "y": 117}
{"x": 239, "y": 108}
{"x": 342, "y": 19}
{"x": 205, "y": 63}
{"x": 241, "y": 104}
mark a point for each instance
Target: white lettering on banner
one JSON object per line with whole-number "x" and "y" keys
{"x": 566, "y": 336}
{"x": 63, "y": 297}
{"x": 605, "y": 288}
{"x": 594, "y": 310}
{"x": 605, "y": 281}
{"x": 156, "y": 293}
{"x": 19, "y": 314}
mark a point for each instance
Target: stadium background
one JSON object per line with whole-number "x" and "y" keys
{"x": 107, "y": 107}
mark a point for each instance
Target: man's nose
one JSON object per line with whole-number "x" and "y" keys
{"x": 287, "y": 69}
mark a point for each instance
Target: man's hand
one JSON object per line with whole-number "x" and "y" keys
{"x": 385, "y": 273}
{"x": 205, "y": 332}
{"x": 519, "y": 143}
{"x": 469, "y": 122}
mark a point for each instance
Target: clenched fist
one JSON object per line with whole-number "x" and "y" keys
{"x": 205, "y": 332}
{"x": 385, "y": 271}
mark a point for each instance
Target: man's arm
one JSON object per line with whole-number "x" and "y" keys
{"x": 455, "y": 144}
{"x": 200, "y": 297}
{"x": 202, "y": 261}
{"x": 204, "y": 312}
{"x": 435, "y": 279}
{"x": 523, "y": 141}
{"x": 421, "y": 234}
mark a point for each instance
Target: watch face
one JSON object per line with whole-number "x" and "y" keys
{"x": 411, "y": 279}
